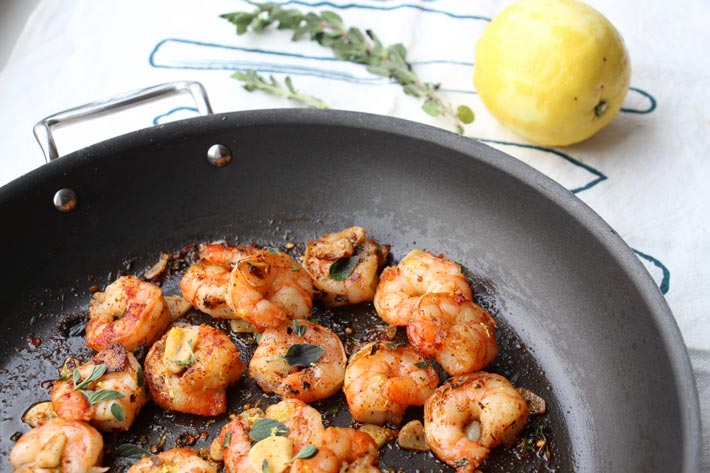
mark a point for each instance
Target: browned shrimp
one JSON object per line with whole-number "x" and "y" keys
{"x": 454, "y": 331}
{"x": 471, "y": 414}
{"x": 289, "y": 377}
{"x": 108, "y": 391}
{"x": 269, "y": 288}
{"x": 59, "y": 445}
{"x": 190, "y": 367}
{"x": 418, "y": 273}
{"x": 382, "y": 379}
{"x": 205, "y": 283}
{"x": 341, "y": 450}
{"x": 361, "y": 259}
{"x": 129, "y": 311}
{"x": 300, "y": 423}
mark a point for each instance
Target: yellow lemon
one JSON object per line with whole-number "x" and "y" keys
{"x": 553, "y": 71}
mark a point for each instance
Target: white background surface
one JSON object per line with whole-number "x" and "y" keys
{"x": 656, "y": 192}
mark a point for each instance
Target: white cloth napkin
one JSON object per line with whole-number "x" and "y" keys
{"x": 646, "y": 173}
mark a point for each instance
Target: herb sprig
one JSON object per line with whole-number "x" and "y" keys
{"x": 253, "y": 81}
{"x": 349, "y": 44}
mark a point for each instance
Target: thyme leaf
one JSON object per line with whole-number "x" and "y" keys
{"x": 227, "y": 439}
{"x": 118, "y": 412}
{"x": 308, "y": 451}
{"x": 303, "y": 355}
{"x": 343, "y": 267}
{"x": 102, "y": 395}
{"x": 265, "y": 427}
{"x": 96, "y": 372}
{"x": 131, "y": 451}
{"x": 299, "y": 328}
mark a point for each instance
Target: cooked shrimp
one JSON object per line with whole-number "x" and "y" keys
{"x": 205, "y": 283}
{"x": 302, "y": 424}
{"x": 235, "y": 445}
{"x": 302, "y": 421}
{"x": 339, "y": 450}
{"x": 382, "y": 379}
{"x": 418, "y": 273}
{"x": 176, "y": 460}
{"x": 129, "y": 311}
{"x": 121, "y": 381}
{"x": 454, "y": 331}
{"x": 190, "y": 367}
{"x": 269, "y": 288}
{"x": 357, "y": 283}
{"x": 466, "y": 405}
{"x": 59, "y": 445}
{"x": 290, "y": 377}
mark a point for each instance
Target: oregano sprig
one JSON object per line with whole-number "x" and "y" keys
{"x": 353, "y": 45}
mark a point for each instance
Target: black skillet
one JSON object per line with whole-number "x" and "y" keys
{"x": 581, "y": 322}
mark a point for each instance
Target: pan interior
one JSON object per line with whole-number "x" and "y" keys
{"x": 576, "y": 326}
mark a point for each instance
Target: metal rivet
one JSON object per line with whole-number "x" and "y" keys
{"x": 65, "y": 200}
{"x": 219, "y": 155}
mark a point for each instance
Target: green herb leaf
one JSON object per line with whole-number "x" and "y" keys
{"x": 104, "y": 395}
{"x": 308, "y": 451}
{"x": 131, "y": 451}
{"x": 265, "y": 467}
{"x": 461, "y": 462}
{"x": 140, "y": 377}
{"x": 347, "y": 44}
{"x": 303, "y": 355}
{"x": 431, "y": 107}
{"x": 227, "y": 439}
{"x": 118, "y": 412}
{"x": 96, "y": 372}
{"x": 264, "y": 428}
{"x": 271, "y": 249}
{"x": 465, "y": 114}
{"x": 422, "y": 364}
{"x": 253, "y": 81}
{"x": 343, "y": 267}
{"x": 299, "y": 328}
{"x": 190, "y": 361}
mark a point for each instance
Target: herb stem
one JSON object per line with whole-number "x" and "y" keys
{"x": 347, "y": 44}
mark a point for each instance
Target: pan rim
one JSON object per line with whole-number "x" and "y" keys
{"x": 658, "y": 308}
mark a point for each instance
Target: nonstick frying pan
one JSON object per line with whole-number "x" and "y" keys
{"x": 582, "y": 323}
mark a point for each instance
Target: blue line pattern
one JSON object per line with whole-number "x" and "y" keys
{"x": 598, "y": 176}
{"x": 347, "y": 6}
{"x": 664, "y": 285}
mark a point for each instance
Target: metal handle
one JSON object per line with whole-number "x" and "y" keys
{"x": 43, "y": 129}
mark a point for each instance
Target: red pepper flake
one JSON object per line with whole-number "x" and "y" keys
{"x": 35, "y": 341}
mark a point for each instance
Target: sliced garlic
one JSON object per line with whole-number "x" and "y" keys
{"x": 277, "y": 451}
{"x": 411, "y": 437}
{"x": 177, "y": 306}
{"x": 51, "y": 454}
{"x": 158, "y": 267}
{"x": 536, "y": 404}
{"x": 179, "y": 348}
{"x": 379, "y": 434}
{"x": 241, "y": 326}
{"x": 216, "y": 448}
{"x": 39, "y": 414}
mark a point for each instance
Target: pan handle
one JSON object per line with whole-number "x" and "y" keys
{"x": 43, "y": 129}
